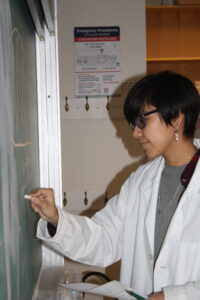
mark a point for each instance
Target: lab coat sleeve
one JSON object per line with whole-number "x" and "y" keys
{"x": 96, "y": 241}
{"x": 188, "y": 291}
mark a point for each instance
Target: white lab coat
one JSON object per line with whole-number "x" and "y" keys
{"x": 124, "y": 230}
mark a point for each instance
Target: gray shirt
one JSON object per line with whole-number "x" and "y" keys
{"x": 168, "y": 197}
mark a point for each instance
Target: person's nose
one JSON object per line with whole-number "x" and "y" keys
{"x": 137, "y": 132}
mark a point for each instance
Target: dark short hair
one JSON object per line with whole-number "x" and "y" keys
{"x": 170, "y": 93}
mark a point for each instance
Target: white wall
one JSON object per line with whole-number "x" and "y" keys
{"x": 99, "y": 154}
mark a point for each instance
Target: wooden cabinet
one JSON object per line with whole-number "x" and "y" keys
{"x": 173, "y": 39}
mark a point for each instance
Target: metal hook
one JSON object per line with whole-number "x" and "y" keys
{"x": 108, "y": 103}
{"x": 106, "y": 197}
{"x": 86, "y": 199}
{"x": 66, "y": 105}
{"x": 64, "y": 199}
{"x": 87, "y": 105}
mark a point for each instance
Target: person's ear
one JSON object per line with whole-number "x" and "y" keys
{"x": 178, "y": 126}
{"x": 178, "y": 122}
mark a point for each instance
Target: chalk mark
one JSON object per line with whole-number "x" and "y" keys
{"x": 20, "y": 144}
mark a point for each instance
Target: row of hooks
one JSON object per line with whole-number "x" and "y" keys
{"x": 85, "y": 198}
{"x": 87, "y": 106}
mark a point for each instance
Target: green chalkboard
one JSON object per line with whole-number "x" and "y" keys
{"x": 20, "y": 252}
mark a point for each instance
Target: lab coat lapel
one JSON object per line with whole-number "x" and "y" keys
{"x": 151, "y": 194}
{"x": 191, "y": 191}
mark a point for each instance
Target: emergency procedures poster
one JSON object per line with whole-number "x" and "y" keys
{"x": 97, "y": 60}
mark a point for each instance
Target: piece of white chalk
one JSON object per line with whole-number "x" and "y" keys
{"x": 27, "y": 197}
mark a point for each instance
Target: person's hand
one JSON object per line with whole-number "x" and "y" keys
{"x": 157, "y": 296}
{"x": 43, "y": 203}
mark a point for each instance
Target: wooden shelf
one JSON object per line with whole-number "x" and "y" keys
{"x": 173, "y": 59}
{"x": 172, "y": 8}
{"x": 173, "y": 39}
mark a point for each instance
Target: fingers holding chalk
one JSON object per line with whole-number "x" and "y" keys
{"x": 34, "y": 206}
{"x": 37, "y": 201}
{"x": 42, "y": 202}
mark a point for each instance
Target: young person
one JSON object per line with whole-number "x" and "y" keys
{"x": 153, "y": 224}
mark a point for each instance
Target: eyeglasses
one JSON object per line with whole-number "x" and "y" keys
{"x": 140, "y": 120}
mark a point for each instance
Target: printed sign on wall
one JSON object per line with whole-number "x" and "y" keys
{"x": 97, "y": 60}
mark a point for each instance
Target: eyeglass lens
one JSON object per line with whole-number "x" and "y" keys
{"x": 140, "y": 120}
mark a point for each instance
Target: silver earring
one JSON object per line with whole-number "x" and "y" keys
{"x": 176, "y": 134}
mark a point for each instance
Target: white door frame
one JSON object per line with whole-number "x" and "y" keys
{"x": 49, "y": 123}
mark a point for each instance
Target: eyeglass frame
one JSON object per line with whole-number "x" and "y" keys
{"x": 134, "y": 123}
